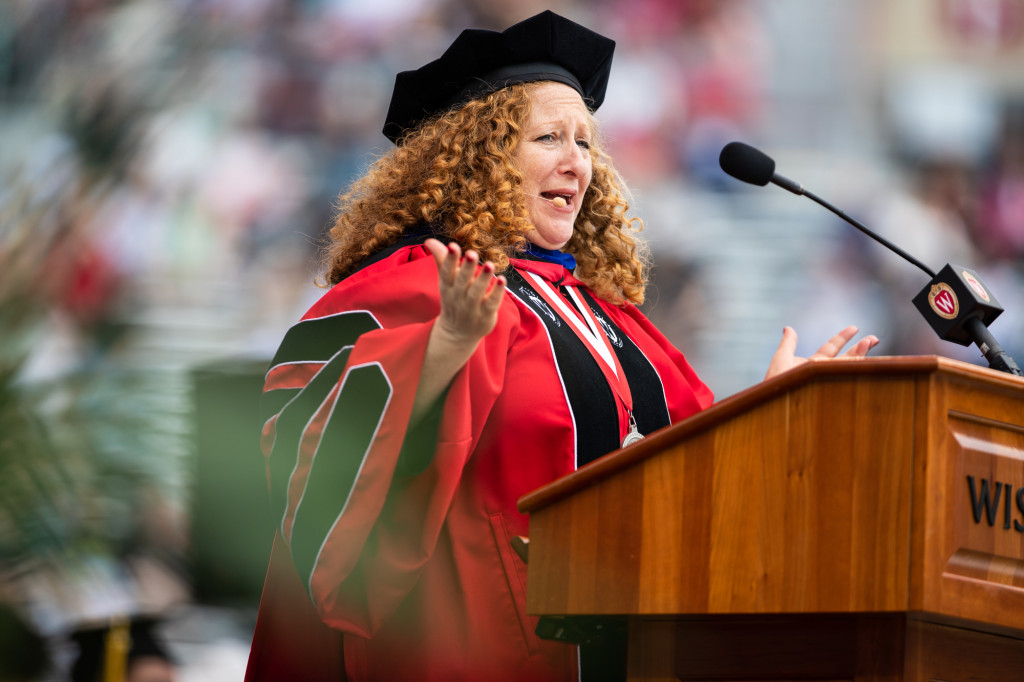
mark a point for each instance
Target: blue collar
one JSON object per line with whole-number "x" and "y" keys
{"x": 551, "y": 256}
{"x": 423, "y": 230}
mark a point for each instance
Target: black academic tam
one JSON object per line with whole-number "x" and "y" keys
{"x": 544, "y": 47}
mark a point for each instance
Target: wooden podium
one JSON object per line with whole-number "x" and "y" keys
{"x": 849, "y": 520}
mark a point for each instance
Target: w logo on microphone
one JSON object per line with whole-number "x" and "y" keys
{"x": 943, "y": 301}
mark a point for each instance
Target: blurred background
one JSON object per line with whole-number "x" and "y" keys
{"x": 167, "y": 169}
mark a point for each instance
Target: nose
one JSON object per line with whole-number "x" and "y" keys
{"x": 575, "y": 161}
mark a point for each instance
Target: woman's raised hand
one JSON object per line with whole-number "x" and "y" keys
{"x": 470, "y": 298}
{"x": 470, "y": 294}
{"x": 785, "y": 357}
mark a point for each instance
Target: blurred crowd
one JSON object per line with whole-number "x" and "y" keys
{"x": 168, "y": 169}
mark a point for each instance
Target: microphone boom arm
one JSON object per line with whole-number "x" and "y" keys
{"x": 750, "y": 165}
{"x": 975, "y": 328}
{"x": 878, "y": 238}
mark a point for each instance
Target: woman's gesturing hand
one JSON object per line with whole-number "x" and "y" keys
{"x": 469, "y": 302}
{"x": 470, "y": 299}
{"x": 785, "y": 357}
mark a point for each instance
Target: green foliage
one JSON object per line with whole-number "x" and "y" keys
{"x": 82, "y": 451}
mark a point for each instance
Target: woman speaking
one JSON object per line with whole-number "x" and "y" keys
{"x": 480, "y": 338}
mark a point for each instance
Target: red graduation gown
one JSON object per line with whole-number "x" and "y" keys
{"x": 400, "y": 539}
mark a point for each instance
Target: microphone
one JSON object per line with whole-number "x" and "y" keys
{"x": 955, "y": 302}
{"x": 753, "y": 166}
{"x": 560, "y": 202}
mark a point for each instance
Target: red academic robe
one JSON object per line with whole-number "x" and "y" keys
{"x": 399, "y": 538}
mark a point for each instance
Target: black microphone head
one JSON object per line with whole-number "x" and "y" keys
{"x": 745, "y": 163}
{"x": 954, "y": 296}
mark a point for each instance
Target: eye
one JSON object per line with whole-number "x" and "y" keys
{"x": 547, "y": 137}
{"x": 583, "y": 144}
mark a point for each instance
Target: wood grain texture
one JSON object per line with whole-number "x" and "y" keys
{"x": 750, "y": 398}
{"x": 837, "y": 496}
{"x": 967, "y": 569}
{"x": 949, "y": 654}
{"x": 823, "y": 648}
{"x": 798, "y": 505}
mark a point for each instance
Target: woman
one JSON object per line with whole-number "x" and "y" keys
{"x": 480, "y": 340}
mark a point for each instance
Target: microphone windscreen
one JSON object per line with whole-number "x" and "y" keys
{"x": 745, "y": 163}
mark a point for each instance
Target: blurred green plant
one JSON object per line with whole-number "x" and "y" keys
{"x": 87, "y": 451}
{"x": 33, "y": 482}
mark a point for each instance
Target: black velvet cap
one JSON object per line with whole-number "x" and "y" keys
{"x": 544, "y": 47}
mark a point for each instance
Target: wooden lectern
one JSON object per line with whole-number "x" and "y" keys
{"x": 848, "y": 520}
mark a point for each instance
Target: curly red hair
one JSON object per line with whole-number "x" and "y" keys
{"x": 457, "y": 173}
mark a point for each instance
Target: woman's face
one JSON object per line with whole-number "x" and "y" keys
{"x": 554, "y": 157}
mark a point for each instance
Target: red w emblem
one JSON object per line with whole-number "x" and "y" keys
{"x": 945, "y": 302}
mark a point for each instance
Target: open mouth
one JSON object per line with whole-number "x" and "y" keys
{"x": 557, "y": 198}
